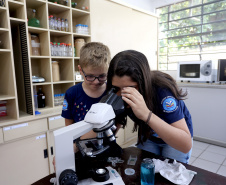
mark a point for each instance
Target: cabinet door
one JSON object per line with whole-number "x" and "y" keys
{"x": 129, "y": 135}
{"x": 120, "y": 137}
{"x": 54, "y": 123}
{"x": 23, "y": 162}
{"x": 51, "y": 150}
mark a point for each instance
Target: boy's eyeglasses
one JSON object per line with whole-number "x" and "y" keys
{"x": 91, "y": 78}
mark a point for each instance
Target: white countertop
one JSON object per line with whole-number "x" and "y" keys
{"x": 202, "y": 85}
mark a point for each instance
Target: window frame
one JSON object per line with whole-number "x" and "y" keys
{"x": 199, "y": 34}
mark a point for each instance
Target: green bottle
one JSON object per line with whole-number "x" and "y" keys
{"x": 33, "y": 21}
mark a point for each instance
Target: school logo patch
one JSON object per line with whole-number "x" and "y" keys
{"x": 65, "y": 105}
{"x": 169, "y": 104}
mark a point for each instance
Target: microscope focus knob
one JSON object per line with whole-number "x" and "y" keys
{"x": 68, "y": 177}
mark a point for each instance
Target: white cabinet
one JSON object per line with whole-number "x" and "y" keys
{"x": 54, "y": 123}
{"x": 24, "y": 129}
{"x": 125, "y": 137}
{"x": 207, "y": 107}
{"x": 23, "y": 162}
{"x": 129, "y": 134}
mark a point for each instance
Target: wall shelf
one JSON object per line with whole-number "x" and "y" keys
{"x": 16, "y": 9}
{"x": 14, "y": 16}
{"x": 36, "y": 30}
{"x": 6, "y": 97}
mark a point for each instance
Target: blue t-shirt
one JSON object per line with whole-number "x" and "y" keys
{"x": 77, "y": 103}
{"x": 170, "y": 109}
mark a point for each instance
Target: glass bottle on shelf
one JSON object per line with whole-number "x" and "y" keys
{"x": 35, "y": 45}
{"x": 41, "y": 98}
{"x": 33, "y": 21}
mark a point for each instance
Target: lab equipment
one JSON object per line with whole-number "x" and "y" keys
{"x": 100, "y": 118}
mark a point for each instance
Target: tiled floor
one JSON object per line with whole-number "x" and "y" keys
{"x": 209, "y": 157}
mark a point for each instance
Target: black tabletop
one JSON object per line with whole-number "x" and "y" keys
{"x": 203, "y": 177}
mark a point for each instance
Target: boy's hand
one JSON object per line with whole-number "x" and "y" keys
{"x": 136, "y": 101}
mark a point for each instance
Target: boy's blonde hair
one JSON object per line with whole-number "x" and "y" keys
{"x": 94, "y": 54}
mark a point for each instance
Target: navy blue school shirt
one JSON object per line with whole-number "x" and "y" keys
{"x": 170, "y": 109}
{"x": 77, "y": 103}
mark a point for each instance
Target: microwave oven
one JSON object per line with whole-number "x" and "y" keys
{"x": 222, "y": 70}
{"x": 197, "y": 71}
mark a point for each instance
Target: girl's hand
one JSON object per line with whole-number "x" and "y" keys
{"x": 136, "y": 101}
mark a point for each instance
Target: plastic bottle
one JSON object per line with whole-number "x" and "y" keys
{"x": 36, "y": 101}
{"x": 70, "y": 50}
{"x": 66, "y": 25}
{"x": 51, "y": 22}
{"x": 59, "y": 53}
{"x": 55, "y": 100}
{"x": 41, "y": 98}
{"x": 55, "y": 23}
{"x": 55, "y": 49}
{"x": 51, "y": 48}
{"x": 62, "y": 25}
{"x": 87, "y": 30}
{"x": 65, "y": 50}
{"x": 59, "y": 24}
{"x": 62, "y": 49}
{"x": 61, "y": 99}
{"x": 79, "y": 28}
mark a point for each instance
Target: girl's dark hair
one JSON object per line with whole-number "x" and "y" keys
{"x": 135, "y": 65}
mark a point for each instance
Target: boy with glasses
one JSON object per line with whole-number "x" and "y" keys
{"x": 93, "y": 66}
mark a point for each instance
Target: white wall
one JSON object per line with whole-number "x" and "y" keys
{"x": 148, "y": 5}
{"x": 122, "y": 28}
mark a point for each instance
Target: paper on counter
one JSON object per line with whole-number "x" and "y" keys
{"x": 174, "y": 172}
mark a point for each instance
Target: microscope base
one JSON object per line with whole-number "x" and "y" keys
{"x": 115, "y": 179}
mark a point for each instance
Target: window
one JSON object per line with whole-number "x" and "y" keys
{"x": 191, "y": 30}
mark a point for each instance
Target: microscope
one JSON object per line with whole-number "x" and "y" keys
{"x": 84, "y": 167}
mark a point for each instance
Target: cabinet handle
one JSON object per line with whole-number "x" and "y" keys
{"x": 45, "y": 153}
{"x": 51, "y": 150}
